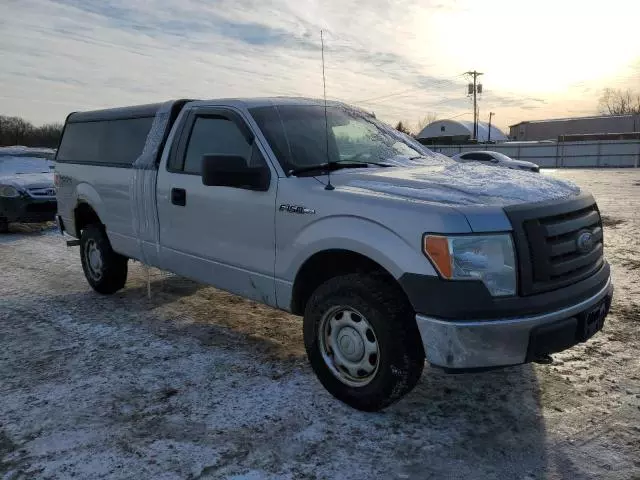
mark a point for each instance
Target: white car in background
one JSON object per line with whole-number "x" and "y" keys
{"x": 495, "y": 158}
{"x": 27, "y": 191}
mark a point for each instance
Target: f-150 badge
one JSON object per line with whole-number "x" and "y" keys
{"x": 296, "y": 209}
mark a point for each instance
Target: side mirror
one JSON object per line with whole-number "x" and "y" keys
{"x": 232, "y": 171}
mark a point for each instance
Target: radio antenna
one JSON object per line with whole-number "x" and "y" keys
{"x": 328, "y": 186}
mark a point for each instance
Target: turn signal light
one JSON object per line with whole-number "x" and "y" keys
{"x": 437, "y": 249}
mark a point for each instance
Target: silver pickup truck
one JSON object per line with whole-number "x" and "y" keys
{"x": 391, "y": 253}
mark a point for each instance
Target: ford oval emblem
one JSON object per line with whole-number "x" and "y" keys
{"x": 584, "y": 242}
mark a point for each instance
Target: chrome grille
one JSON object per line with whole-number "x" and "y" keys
{"x": 42, "y": 192}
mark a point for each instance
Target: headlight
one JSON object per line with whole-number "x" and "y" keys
{"x": 9, "y": 191}
{"x": 489, "y": 258}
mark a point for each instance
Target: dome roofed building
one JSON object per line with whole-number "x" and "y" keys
{"x": 458, "y": 131}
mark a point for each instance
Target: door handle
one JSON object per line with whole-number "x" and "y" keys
{"x": 179, "y": 196}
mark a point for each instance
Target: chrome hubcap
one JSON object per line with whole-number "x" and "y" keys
{"x": 94, "y": 260}
{"x": 349, "y": 346}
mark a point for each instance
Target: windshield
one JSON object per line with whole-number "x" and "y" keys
{"x": 501, "y": 156}
{"x": 10, "y": 165}
{"x": 298, "y": 136}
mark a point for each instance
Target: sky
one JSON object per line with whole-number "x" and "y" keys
{"x": 402, "y": 59}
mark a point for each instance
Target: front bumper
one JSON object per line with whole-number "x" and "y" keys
{"x": 26, "y": 209}
{"x": 499, "y": 342}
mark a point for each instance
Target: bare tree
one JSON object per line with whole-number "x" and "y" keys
{"x": 430, "y": 117}
{"x": 402, "y": 127}
{"x": 17, "y": 131}
{"x": 619, "y": 102}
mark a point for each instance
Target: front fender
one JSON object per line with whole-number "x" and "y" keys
{"x": 360, "y": 235}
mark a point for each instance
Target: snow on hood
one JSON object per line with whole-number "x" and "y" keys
{"x": 442, "y": 180}
{"x": 23, "y": 172}
{"x": 515, "y": 161}
{"x": 28, "y": 180}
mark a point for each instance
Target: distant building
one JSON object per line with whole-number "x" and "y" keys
{"x": 554, "y": 128}
{"x": 458, "y": 131}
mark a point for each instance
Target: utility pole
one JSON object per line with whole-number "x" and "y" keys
{"x": 475, "y": 88}
{"x": 491, "y": 114}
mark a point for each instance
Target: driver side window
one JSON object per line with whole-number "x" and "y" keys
{"x": 211, "y": 136}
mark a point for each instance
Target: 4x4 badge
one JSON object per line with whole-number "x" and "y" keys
{"x": 296, "y": 209}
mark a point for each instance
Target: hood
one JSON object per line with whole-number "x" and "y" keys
{"x": 442, "y": 180}
{"x": 27, "y": 180}
{"x": 519, "y": 163}
{"x": 504, "y": 160}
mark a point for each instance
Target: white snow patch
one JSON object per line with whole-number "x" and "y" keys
{"x": 259, "y": 475}
{"x": 63, "y": 440}
{"x": 313, "y": 433}
{"x": 200, "y": 456}
{"x": 20, "y": 150}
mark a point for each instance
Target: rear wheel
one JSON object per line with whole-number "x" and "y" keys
{"x": 362, "y": 341}
{"x": 4, "y": 225}
{"x": 105, "y": 270}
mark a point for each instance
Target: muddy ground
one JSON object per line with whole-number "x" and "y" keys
{"x": 196, "y": 383}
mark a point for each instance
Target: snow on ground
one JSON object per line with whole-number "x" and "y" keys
{"x": 20, "y": 150}
{"x": 196, "y": 383}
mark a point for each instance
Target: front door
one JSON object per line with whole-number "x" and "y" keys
{"x": 222, "y": 236}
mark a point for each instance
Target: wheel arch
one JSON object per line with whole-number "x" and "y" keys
{"x": 330, "y": 263}
{"x": 83, "y": 215}
{"x": 344, "y": 244}
{"x": 88, "y": 207}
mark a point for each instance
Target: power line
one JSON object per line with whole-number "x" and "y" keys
{"x": 383, "y": 101}
{"x": 417, "y": 110}
{"x": 412, "y": 89}
{"x": 455, "y": 116}
{"x": 417, "y": 107}
{"x": 369, "y": 100}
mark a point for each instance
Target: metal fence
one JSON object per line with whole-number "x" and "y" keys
{"x": 600, "y": 153}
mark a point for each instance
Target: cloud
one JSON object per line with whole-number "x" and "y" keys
{"x": 65, "y": 55}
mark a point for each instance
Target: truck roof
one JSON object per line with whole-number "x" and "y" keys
{"x": 136, "y": 111}
{"x": 150, "y": 110}
{"x": 269, "y": 101}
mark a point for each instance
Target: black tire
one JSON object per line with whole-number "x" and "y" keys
{"x": 4, "y": 225}
{"x": 401, "y": 357}
{"x": 111, "y": 276}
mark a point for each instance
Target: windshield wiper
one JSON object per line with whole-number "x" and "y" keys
{"x": 332, "y": 166}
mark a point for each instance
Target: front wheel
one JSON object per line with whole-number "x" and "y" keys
{"x": 105, "y": 270}
{"x": 362, "y": 341}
